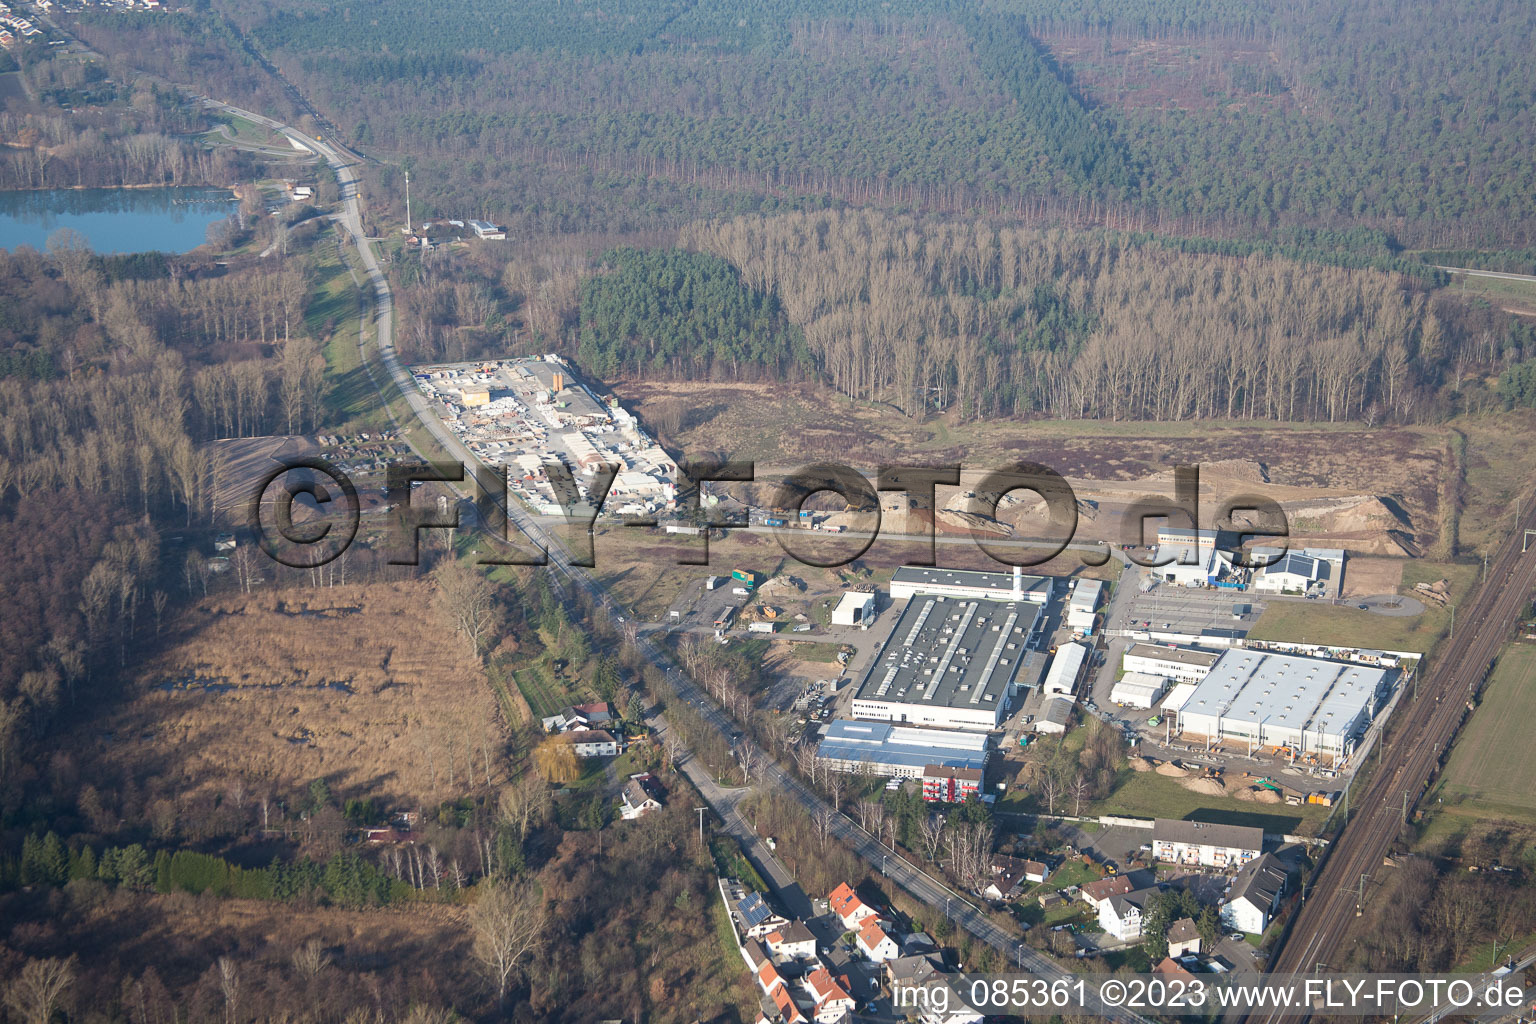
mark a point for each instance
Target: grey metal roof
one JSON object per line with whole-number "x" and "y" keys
{"x": 887, "y": 743}
{"x": 951, "y": 652}
{"x": 1037, "y": 589}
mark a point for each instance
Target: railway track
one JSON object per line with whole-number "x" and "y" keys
{"x": 1409, "y": 761}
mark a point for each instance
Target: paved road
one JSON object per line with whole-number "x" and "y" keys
{"x": 1499, "y": 275}
{"x": 918, "y": 883}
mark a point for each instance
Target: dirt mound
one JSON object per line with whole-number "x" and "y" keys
{"x": 1245, "y": 793}
{"x": 1139, "y": 764}
{"x": 1265, "y": 796}
{"x": 954, "y": 521}
{"x": 1206, "y": 787}
{"x": 1172, "y": 770}
{"x": 1237, "y": 469}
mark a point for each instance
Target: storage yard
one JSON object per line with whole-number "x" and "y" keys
{"x": 533, "y": 416}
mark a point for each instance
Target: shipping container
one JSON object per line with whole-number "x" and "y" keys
{"x": 761, "y": 627}
{"x": 774, "y": 522}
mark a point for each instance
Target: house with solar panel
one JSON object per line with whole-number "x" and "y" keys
{"x": 754, "y": 918}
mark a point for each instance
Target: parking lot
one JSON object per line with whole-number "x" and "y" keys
{"x": 1168, "y": 608}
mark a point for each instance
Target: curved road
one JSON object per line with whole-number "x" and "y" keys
{"x": 921, "y": 885}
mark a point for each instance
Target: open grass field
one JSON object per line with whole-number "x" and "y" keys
{"x": 1149, "y": 795}
{"x": 1319, "y": 623}
{"x": 1492, "y": 770}
{"x": 360, "y": 685}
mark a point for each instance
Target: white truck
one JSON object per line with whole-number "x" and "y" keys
{"x": 761, "y": 627}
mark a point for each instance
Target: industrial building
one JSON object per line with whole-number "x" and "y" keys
{"x": 1168, "y": 661}
{"x": 854, "y": 609}
{"x": 1205, "y": 843}
{"x": 1138, "y": 690}
{"x": 902, "y": 752}
{"x": 1304, "y": 705}
{"x": 1294, "y": 573}
{"x": 528, "y": 415}
{"x": 1066, "y": 667}
{"x": 911, "y": 581}
{"x": 1054, "y": 715}
{"x": 1083, "y": 606}
{"x": 949, "y": 663}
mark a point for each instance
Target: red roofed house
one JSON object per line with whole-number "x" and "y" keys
{"x": 875, "y": 944}
{"x": 769, "y": 978}
{"x": 789, "y": 1013}
{"x": 848, "y": 907}
{"x": 832, "y": 1003}
{"x": 1095, "y": 893}
{"x": 1171, "y": 968}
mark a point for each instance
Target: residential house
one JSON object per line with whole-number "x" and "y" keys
{"x": 1007, "y": 879}
{"x": 756, "y": 955}
{"x": 950, "y": 785}
{"x": 831, "y": 1001}
{"x": 789, "y": 1013}
{"x": 755, "y": 919}
{"x": 1036, "y": 871}
{"x": 874, "y": 943}
{"x": 794, "y": 941}
{"x": 1183, "y": 938}
{"x": 642, "y": 795}
{"x": 849, "y": 909}
{"x": 1095, "y": 893}
{"x": 593, "y": 743}
{"x": 769, "y": 979}
{"x": 1121, "y": 914}
{"x": 908, "y": 971}
{"x": 1255, "y": 895}
{"x": 917, "y": 943}
{"x": 1205, "y": 843}
{"x": 576, "y": 717}
{"x": 1170, "y": 968}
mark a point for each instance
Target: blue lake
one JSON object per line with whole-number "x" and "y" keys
{"x": 114, "y": 219}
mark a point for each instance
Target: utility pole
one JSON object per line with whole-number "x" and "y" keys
{"x": 1360, "y": 896}
{"x": 701, "y": 811}
{"x": 407, "y": 202}
{"x": 1405, "y": 807}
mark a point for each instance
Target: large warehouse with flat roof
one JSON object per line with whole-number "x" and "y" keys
{"x": 1311, "y": 705}
{"x": 881, "y": 748}
{"x": 912, "y": 581}
{"x": 948, "y": 663}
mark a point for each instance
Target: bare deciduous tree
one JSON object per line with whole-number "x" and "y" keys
{"x": 39, "y": 988}
{"x": 465, "y": 597}
{"x": 509, "y": 924}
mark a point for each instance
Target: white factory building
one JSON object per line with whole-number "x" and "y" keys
{"x": 1294, "y": 573}
{"x": 1168, "y": 661}
{"x": 911, "y": 580}
{"x": 1066, "y": 666}
{"x": 854, "y": 609}
{"x": 1083, "y": 605}
{"x": 1138, "y": 690}
{"x": 1309, "y": 705}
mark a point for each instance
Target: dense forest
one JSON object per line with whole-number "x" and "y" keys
{"x": 987, "y": 322}
{"x": 677, "y": 310}
{"x": 654, "y": 111}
